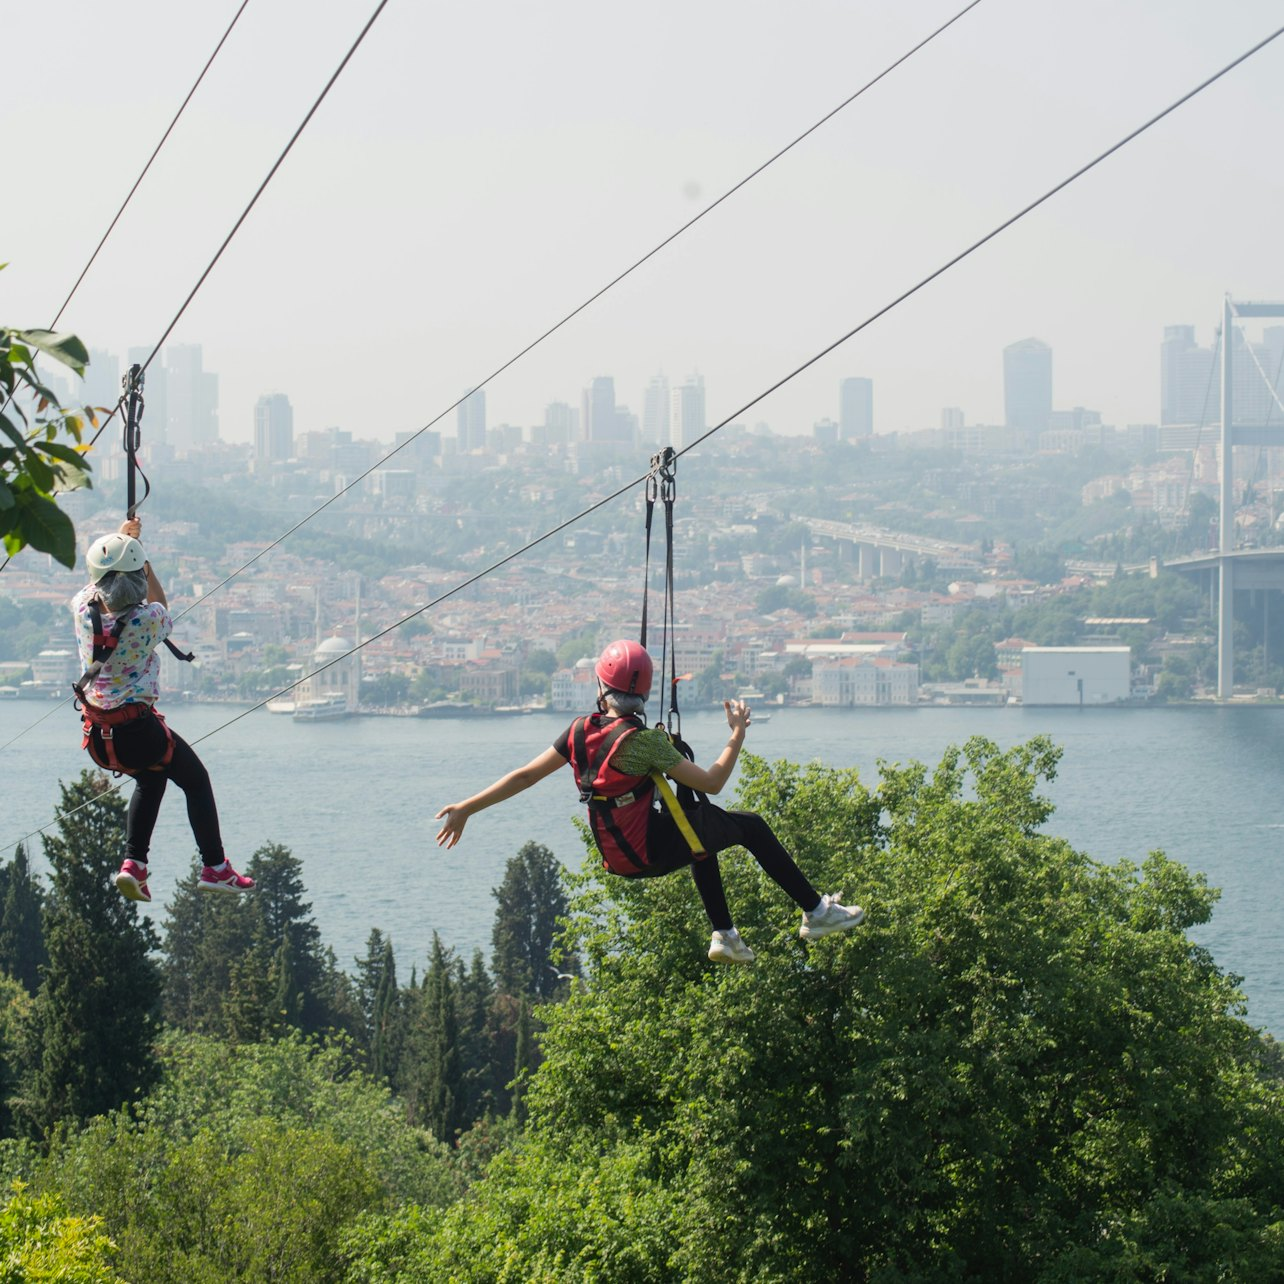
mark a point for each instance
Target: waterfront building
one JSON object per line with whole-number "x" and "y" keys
{"x": 1076, "y": 675}
{"x": 863, "y": 680}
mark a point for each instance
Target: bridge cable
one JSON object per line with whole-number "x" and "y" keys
{"x": 503, "y": 561}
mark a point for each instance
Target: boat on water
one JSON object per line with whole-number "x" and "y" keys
{"x": 280, "y": 706}
{"x": 321, "y": 710}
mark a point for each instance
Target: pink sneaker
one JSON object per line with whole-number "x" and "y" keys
{"x": 223, "y": 878}
{"x": 131, "y": 881}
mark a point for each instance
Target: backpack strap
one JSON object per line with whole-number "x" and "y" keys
{"x": 586, "y": 770}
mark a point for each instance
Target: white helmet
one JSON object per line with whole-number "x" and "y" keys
{"x": 113, "y": 553}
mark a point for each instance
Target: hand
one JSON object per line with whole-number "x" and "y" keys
{"x": 132, "y": 526}
{"x": 452, "y": 829}
{"x": 737, "y": 715}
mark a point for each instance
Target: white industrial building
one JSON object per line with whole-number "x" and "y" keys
{"x": 1075, "y": 675}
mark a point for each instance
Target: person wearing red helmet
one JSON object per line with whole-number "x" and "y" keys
{"x": 122, "y": 616}
{"x": 617, "y": 760}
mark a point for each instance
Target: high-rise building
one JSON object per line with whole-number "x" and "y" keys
{"x": 470, "y": 420}
{"x": 952, "y": 418}
{"x": 655, "y": 412}
{"x": 273, "y": 428}
{"x": 856, "y": 409}
{"x": 155, "y": 395}
{"x": 191, "y": 397}
{"x": 561, "y": 423}
{"x": 598, "y": 419}
{"x": 686, "y": 420}
{"x": 1190, "y": 378}
{"x": 101, "y": 385}
{"x": 1027, "y": 387}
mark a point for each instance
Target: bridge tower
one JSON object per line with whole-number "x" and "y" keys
{"x": 1232, "y": 435}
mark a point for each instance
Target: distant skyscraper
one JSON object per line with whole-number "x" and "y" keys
{"x": 686, "y": 422}
{"x": 598, "y": 419}
{"x": 856, "y": 409}
{"x": 470, "y": 419}
{"x": 101, "y": 386}
{"x": 191, "y": 397}
{"x": 1189, "y": 379}
{"x": 951, "y": 418}
{"x": 561, "y": 423}
{"x": 273, "y": 427}
{"x": 655, "y": 412}
{"x": 1027, "y": 386}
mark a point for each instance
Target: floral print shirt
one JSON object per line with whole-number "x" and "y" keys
{"x": 132, "y": 673}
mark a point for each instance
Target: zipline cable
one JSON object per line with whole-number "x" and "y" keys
{"x": 503, "y": 561}
{"x": 534, "y": 343}
{"x": 262, "y": 187}
{"x": 129, "y": 196}
{"x": 111, "y": 227}
{"x": 989, "y": 236}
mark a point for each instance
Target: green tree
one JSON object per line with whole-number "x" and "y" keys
{"x": 34, "y": 463}
{"x": 40, "y": 1243}
{"x": 22, "y": 939}
{"x": 205, "y": 938}
{"x": 1021, "y": 1067}
{"x": 531, "y": 902}
{"x": 435, "y": 1075}
{"x": 97, "y": 1010}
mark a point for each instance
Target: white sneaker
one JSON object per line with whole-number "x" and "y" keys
{"x": 727, "y": 947}
{"x": 830, "y": 916}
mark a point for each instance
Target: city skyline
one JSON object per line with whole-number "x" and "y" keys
{"x": 420, "y": 234}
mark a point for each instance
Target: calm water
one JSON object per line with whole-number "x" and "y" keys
{"x": 355, "y": 800}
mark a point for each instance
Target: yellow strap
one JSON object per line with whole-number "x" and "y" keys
{"x": 679, "y": 816}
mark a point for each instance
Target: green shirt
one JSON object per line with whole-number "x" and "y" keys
{"x": 645, "y": 752}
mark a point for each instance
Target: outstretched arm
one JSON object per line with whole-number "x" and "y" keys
{"x": 456, "y": 814}
{"x": 710, "y": 780}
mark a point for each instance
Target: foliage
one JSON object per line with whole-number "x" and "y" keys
{"x": 95, "y": 1015}
{"x": 40, "y": 1243}
{"x": 246, "y": 968}
{"x": 1020, "y": 1068}
{"x": 34, "y": 463}
{"x": 22, "y": 939}
{"x": 25, "y": 627}
{"x": 531, "y": 904}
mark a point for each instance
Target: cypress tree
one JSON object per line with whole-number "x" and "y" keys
{"x": 205, "y": 936}
{"x": 22, "y": 938}
{"x": 387, "y": 1019}
{"x": 531, "y": 900}
{"x": 97, "y": 1010}
{"x": 436, "y": 1077}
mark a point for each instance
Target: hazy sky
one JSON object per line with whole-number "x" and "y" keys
{"x": 481, "y": 168}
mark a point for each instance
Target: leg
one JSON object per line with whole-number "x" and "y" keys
{"x": 720, "y": 829}
{"x": 138, "y": 745}
{"x": 188, "y": 772}
{"x": 667, "y": 850}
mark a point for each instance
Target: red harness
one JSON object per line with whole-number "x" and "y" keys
{"x": 105, "y": 721}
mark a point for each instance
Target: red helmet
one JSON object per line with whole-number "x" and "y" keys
{"x": 625, "y": 666}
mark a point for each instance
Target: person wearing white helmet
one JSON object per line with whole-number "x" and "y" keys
{"x": 619, "y": 763}
{"x": 122, "y": 616}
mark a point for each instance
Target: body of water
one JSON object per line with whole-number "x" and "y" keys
{"x": 355, "y": 801}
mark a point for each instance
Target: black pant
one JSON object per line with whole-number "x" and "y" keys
{"x": 668, "y": 850}
{"x": 140, "y": 744}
